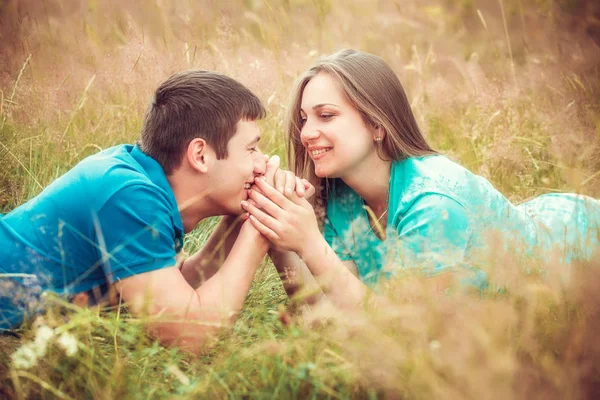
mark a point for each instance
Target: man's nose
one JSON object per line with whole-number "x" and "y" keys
{"x": 260, "y": 164}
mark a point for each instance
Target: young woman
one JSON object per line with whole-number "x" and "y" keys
{"x": 389, "y": 199}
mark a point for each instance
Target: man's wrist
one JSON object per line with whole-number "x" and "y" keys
{"x": 253, "y": 236}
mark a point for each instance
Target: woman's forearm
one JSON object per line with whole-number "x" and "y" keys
{"x": 296, "y": 277}
{"x": 340, "y": 285}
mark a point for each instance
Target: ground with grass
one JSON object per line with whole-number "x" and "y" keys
{"x": 509, "y": 88}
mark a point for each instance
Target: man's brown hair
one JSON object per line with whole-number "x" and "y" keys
{"x": 195, "y": 104}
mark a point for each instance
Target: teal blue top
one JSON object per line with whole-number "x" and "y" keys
{"x": 112, "y": 216}
{"x": 441, "y": 216}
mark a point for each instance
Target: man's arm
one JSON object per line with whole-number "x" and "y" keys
{"x": 178, "y": 314}
{"x": 201, "y": 266}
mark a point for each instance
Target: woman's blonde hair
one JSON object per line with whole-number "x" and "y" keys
{"x": 376, "y": 92}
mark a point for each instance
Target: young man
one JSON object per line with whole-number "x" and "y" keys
{"x": 117, "y": 219}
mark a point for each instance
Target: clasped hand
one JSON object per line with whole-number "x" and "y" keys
{"x": 278, "y": 208}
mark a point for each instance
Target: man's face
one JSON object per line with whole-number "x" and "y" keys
{"x": 231, "y": 177}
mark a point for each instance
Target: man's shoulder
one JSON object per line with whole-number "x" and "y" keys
{"x": 105, "y": 173}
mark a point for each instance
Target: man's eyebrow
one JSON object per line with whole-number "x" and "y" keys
{"x": 255, "y": 140}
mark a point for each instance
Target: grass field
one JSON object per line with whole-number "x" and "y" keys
{"x": 509, "y": 88}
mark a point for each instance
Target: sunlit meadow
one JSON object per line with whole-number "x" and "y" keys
{"x": 509, "y": 88}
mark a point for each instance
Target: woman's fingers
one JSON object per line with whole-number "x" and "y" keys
{"x": 260, "y": 215}
{"x": 263, "y": 229}
{"x": 270, "y": 192}
{"x": 260, "y": 201}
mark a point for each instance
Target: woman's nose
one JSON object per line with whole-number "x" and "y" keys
{"x": 308, "y": 133}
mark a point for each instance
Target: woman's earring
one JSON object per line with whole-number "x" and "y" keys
{"x": 378, "y": 139}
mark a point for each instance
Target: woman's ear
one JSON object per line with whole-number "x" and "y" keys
{"x": 379, "y": 133}
{"x": 198, "y": 155}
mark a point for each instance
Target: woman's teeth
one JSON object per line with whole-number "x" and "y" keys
{"x": 320, "y": 151}
{"x": 247, "y": 186}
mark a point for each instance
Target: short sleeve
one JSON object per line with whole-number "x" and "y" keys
{"x": 135, "y": 232}
{"x": 433, "y": 234}
{"x": 335, "y": 241}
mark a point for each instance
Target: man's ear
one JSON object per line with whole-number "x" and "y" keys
{"x": 198, "y": 155}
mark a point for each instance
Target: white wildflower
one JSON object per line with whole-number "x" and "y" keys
{"x": 42, "y": 337}
{"x": 174, "y": 369}
{"x": 25, "y": 357}
{"x": 434, "y": 345}
{"x": 69, "y": 344}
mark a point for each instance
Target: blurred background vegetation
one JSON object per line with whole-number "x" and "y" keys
{"x": 509, "y": 88}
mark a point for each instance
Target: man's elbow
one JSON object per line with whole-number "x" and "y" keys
{"x": 184, "y": 336}
{"x": 195, "y": 332}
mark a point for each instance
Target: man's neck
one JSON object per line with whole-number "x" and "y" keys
{"x": 190, "y": 200}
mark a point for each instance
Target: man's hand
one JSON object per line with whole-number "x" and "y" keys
{"x": 289, "y": 184}
{"x": 285, "y": 181}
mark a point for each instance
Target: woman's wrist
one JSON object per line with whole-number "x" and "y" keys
{"x": 313, "y": 252}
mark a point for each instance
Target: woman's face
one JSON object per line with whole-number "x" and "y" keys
{"x": 333, "y": 131}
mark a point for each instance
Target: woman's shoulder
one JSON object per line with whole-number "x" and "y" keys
{"x": 415, "y": 177}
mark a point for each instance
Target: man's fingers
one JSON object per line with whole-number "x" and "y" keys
{"x": 279, "y": 180}
{"x": 300, "y": 187}
{"x": 290, "y": 184}
{"x": 308, "y": 188}
{"x": 272, "y": 167}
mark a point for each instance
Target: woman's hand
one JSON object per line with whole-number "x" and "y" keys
{"x": 289, "y": 224}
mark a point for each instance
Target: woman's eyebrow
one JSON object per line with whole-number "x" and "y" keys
{"x": 321, "y": 105}
{"x": 317, "y": 106}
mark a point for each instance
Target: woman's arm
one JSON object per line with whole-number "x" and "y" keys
{"x": 298, "y": 281}
{"x": 434, "y": 233}
{"x": 292, "y": 226}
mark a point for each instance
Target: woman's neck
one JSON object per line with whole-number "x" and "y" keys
{"x": 371, "y": 181}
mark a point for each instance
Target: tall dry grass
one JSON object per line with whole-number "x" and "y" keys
{"x": 509, "y": 88}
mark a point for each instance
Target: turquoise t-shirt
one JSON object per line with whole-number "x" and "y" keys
{"x": 112, "y": 216}
{"x": 441, "y": 216}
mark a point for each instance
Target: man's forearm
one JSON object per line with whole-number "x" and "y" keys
{"x": 202, "y": 265}
{"x": 228, "y": 287}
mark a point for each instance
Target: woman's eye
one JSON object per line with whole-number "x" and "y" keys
{"x": 326, "y": 116}
{"x": 253, "y": 149}
{"x": 302, "y": 121}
